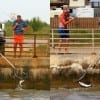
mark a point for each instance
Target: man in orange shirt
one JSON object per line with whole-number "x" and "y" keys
{"x": 19, "y": 26}
{"x": 64, "y": 20}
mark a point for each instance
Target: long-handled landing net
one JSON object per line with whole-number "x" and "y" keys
{"x": 20, "y": 78}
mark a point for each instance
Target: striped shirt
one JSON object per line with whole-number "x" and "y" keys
{"x": 18, "y": 29}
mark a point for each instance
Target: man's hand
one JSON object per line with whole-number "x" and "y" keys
{"x": 72, "y": 18}
{"x": 16, "y": 24}
{"x": 14, "y": 27}
{"x": 23, "y": 29}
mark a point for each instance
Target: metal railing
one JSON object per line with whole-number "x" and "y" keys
{"x": 34, "y": 45}
{"x": 79, "y": 40}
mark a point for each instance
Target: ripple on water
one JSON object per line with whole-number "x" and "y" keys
{"x": 75, "y": 95}
{"x": 24, "y": 95}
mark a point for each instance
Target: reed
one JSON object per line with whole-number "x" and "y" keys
{"x": 6, "y": 73}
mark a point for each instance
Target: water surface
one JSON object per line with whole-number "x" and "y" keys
{"x": 24, "y": 95}
{"x": 75, "y": 94}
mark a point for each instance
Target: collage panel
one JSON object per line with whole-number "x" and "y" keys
{"x": 74, "y": 49}
{"x": 24, "y": 50}
{"x": 49, "y": 50}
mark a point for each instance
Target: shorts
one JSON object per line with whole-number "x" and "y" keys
{"x": 63, "y": 33}
{"x": 18, "y": 38}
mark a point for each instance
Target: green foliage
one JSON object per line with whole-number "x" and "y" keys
{"x": 53, "y": 0}
{"x": 8, "y": 28}
{"x": 35, "y": 26}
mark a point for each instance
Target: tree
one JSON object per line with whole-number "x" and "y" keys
{"x": 36, "y": 24}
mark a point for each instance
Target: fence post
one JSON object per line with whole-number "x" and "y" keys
{"x": 48, "y": 48}
{"x": 52, "y": 38}
{"x": 93, "y": 40}
{"x": 34, "y": 47}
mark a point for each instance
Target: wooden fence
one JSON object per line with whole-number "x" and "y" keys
{"x": 83, "y": 23}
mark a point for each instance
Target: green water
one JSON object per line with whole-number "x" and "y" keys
{"x": 75, "y": 94}
{"x": 24, "y": 95}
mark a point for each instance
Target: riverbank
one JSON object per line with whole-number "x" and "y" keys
{"x": 67, "y": 70}
{"x": 35, "y": 72}
{"x": 38, "y": 62}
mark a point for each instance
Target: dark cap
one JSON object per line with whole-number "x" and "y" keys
{"x": 18, "y": 15}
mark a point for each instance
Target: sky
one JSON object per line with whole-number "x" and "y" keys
{"x": 26, "y": 8}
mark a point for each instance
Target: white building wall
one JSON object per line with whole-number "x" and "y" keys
{"x": 86, "y": 12}
{"x": 77, "y": 3}
{"x": 58, "y": 11}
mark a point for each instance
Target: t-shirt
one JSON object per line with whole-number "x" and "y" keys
{"x": 18, "y": 29}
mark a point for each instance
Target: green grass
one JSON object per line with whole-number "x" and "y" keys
{"x": 41, "y": 51}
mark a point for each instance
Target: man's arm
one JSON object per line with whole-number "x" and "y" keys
{"x": 14, "y": 26}
{"x": 64, "y": 21}
{"x": 26, "y": 27}
{"x": 69, "y": 21}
